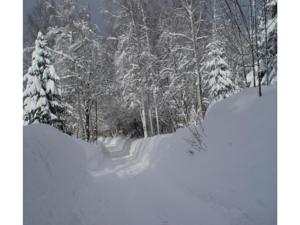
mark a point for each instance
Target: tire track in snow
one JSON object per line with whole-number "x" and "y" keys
{"x": 127, "y": 158}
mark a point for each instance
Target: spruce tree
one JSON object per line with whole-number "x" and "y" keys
{"x": 216, "y": 72}
{"x": 218, "y": 82}
{"x": 42, "y": 94}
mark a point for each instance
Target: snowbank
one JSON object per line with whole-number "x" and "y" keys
{"x": 232, "y": 182}
{"x": 54, "y": 172}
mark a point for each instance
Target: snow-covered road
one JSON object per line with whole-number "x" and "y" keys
{"x": 123, "y": 156}
{"x": 155, "y": 181}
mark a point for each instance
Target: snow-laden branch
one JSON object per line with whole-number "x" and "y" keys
{"x": 202, "y": 37}
{"x": 180, "y": 35}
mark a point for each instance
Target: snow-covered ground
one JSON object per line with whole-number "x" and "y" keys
{"x": 155, "y": 181}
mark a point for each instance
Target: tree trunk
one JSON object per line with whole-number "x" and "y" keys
{"x": 96, "y": 124}
{"x": 259, "y": 87}
{"x": 143, "y": 118}
{"x": 243, "y": 63}
{"x": 80, "y": 115}
{"x": 150, "y": 120}
{"x": 157, "y": 120}
{"x": 156, "y": 113}
{"x": 252, "y": 41}
{"x": 77, "y": 132}
{"x": 256, "y": 45}
{"x": 244, "y": 69}
{"x": 253, "y": 66}
{"x": 198, "y": 79}
{"x": 87, "y": 123}
{"x": 173, "y": 124}
{"x": 79, "y": 106}
{"x": 148, "y": 73}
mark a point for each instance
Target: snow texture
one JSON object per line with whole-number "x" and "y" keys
{"x": 67, "y": 181}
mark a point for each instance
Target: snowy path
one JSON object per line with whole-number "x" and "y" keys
{"x": 133, "y": 180}
{"x": 125, "y": 157}
{"x": 155, "y": 181}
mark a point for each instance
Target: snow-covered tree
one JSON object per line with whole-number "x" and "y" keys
{"x": 189, "y": 16}
{"x": 180, "y": 52}
{"x": 217, "y": 75}
{"x": 218, "y": 79}
{"x": 268, "y": 40}
{"x": 42, "y": 95}
{"x": 78, "y": 52}
{"x": 133, "y": 61}
{"x": 152, "y": 73}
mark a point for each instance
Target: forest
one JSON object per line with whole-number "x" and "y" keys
{"x": 159, "y": 66}
{"x": 150, "y": 112}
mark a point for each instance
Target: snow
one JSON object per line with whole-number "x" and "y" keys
{"x": 67, "y": 181}
{"x": 54, "y": 167}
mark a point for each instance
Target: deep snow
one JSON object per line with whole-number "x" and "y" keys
{"x": 67, "y": 181}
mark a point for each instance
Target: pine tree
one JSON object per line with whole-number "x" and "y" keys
{"x": 42, "y": 95}
{"x": 217, "y": 75}
{"x": 218, "y": 80}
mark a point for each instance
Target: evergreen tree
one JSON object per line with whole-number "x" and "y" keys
{"x": 217, "y": 75}
{"x": 42, "y": 95}
{"x": 218, "y": 80}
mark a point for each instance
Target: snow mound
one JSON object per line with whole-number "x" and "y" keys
{"x": 54, "y": 171}
{"x": 231, "y": 182}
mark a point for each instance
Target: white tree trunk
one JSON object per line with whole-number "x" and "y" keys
{"x": 143, "y": 117}
{"x": 79, "y": 109}
{"x": 80, "y": 116}
{"x": 150, "y": 120}
{"x": 196, "y": 59}
{"x": 156, "y": 113}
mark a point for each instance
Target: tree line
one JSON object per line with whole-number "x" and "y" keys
{"x": 160, "y": 65}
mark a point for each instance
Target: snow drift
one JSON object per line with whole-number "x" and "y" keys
{"x": 233, "y": 181}
{"x": 54, "y": 169}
